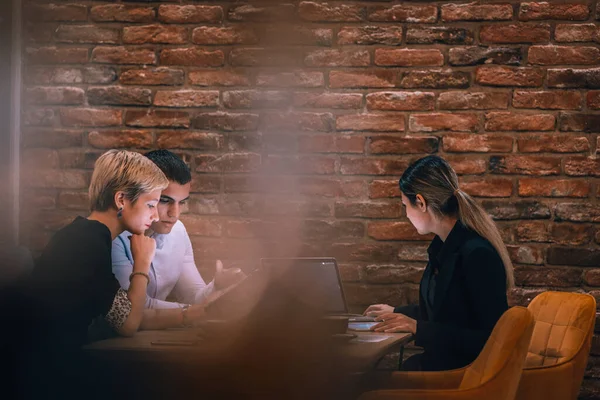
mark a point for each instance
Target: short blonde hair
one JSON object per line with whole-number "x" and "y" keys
{"x": 126, "y": 171}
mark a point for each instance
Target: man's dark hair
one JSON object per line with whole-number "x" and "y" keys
{"x": 171, "y": 165}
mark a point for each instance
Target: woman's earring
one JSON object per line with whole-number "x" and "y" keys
{"x": 120, "y": 212}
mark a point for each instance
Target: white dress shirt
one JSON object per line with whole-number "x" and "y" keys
{"x": 172, "y": 271}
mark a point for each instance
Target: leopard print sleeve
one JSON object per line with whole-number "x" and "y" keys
{"x": 120, "y": 310}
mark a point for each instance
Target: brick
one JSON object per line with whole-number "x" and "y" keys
{"x": 193, "y": 57}
{"x": 324, "y": 12}
{"x": 574, "y": 78}
{"x": 152, "y": 77}
{"x": 121, "y": 13}
{"x": 118, "y": 95}
{"x": 371, "y": 122}
{"x": 393, "y": 274}
{"x": 297, "y": 35}
{"x": 573, "y": 256}
{"x": 331, "y": 144}
{"x": 326, "y": 230}
{"x": 474, "y": 55}
{"x": 507, "y": 121}
{"x": 86, "y": 34}
{"x": 56, "y": 12}
{"x": 157, "y": 119}
{"x": 201, "y": 141}
{"x": 35, "y": 159}
{"x": 155, "y": 34}
{"x": 39, "y": 116}
{"x": 337, "y": 58}
{"x": 592, "y": 278}
{"x": 435, "y": 79}
{"x": 550, "y": 100}
{"x": 76, "y": 117}
{"x": 74, "y": 200}
{"x": 555, "y": 55}
{"x": 51, "y": 138}
{"x": 327, "y": 187}
{"x": 579, "y": 122}
{"x": 251, "y": 13}
{"x": 513, "y": 210}
{"x": 255, "y": 99}
{"x": 526, "y": 254}
{"x": 231, "y": 162}
{"x": 78, "y": 158}
{"x": 522, "y": 297}
{"x": 255, "y": 57}
{"x": 351, "y": 79}
{"x": 403, "y": 145}
{"x": 582, "y": 166}
{"x": 99, "y": 74}
{"x": 380, "y": 188}
{"x": 409, "y": 57}
{"x": 469, "y": 143}
{"x": 394, "y": 231}
{"x": 401, "y": 101}
{"x": 544, "y": 276}
{"x": 227, "y": 122}
{"x": 367, "y": 35}
{"x": 439, "y": 34}
{"x": 553, "y": 144}
{"x": 297, "y": 78}
{"x": 570, "y": 234}
{"x": 300, "y": 164}
{"x": 297, "y": 121}
{"x": 218, "y": 78}
{"x": 490, "y": 187}
{"x": 201, "y": 226}
{"x": 114, "y": 139}
{"x": 54, "y": 95}
{"x": 423, "y": 14}
{"x": 593, "y": 99}
{"x": 246, "y": 142}
{"x": 577, "y": 212}
{"x": 58, "y": 179}
{"x": 39, "y": 33}
{"x": 536, "y": 187}
{"x": 56, "y": 55}
{"x": 49, "y": 75}
{"x": 548, "y": 10}
{"x": 189, "y": 14}
{"x": 472, "y": 100}
{"x": 443, "y": 122}
{"x": 205, "y": 184}
{"x": 525, "y": 165}
{"x": 476, "y": 12}
{"x": 389, "y": 209}
{"x": 212, "y": 35}
{"x": 507, "y": 76}
{"x": 467, "y": 165}
{"x": 186, "y": 98}
{"x": 515, "y": 33}
{"x": 576, "y": 33}
{"x": 123, "y": 55}
{"x": 372, "y": 166}
{"x": 327, "y": 100}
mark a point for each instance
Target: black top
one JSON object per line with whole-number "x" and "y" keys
{"x": 72, "y": 282}
{"x": 469, "y": 297}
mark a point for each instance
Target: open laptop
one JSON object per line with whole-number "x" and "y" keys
{"x": 319, "y": 276}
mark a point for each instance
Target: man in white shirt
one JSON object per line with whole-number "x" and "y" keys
{"x": 173, "y": 271}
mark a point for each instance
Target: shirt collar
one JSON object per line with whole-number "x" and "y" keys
{"x": 440, "y": 250}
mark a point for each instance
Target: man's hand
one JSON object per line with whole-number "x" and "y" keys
{"x": 376, "y": 310}
{"x": 227, "y": 277}
{"x": 394, "y": 322}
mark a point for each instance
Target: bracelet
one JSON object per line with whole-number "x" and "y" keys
{"x": 140, "y": 273}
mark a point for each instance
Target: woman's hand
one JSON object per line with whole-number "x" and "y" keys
{"x": 142, "y": 250}
{"x": 376, "y": 310}
{"x": 227, "y": 277}
{"x": 394, "y": 322}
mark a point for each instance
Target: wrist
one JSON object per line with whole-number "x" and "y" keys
{"x": 139, "y": 274}
{"x": 185, "y": 320}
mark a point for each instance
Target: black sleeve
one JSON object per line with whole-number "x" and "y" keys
{"x": 485, "y": 282}
{"x": 411, "y": 311}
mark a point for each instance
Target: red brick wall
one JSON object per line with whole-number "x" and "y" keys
{"x": 298, "y": 118}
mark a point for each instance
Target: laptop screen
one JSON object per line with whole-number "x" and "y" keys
{"x": 317, "y": 276}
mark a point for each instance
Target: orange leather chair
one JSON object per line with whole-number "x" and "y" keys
{"x": 494, "y": 375}
{"x": 560, "y": 346}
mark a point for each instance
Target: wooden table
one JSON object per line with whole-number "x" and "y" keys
{"x": 211, "y": 361}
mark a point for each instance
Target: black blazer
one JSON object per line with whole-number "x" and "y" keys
{"x": 469, "y": 298}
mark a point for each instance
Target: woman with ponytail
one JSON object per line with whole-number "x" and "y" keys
{"x": 463, "y": 291}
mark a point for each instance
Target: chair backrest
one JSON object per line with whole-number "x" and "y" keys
{"x": 504, "y": 352}
{"x": 564, "y": 324}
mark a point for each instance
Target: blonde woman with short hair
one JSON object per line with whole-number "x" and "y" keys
{"x": 463, "y": 291}
{"x": 72, "y": 282}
